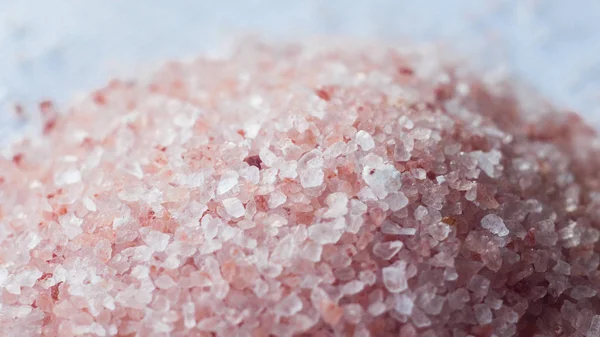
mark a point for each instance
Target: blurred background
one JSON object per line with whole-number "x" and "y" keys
{"x": 56, "y": 48}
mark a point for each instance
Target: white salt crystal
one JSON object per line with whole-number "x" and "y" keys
{"x": 387, "y": 250}
{"x": 288, "y": 169}
{"x": 483, "y": 314}
{"x": 594, "y": 330}
{"x": 89, "y": 204}
{"x": 327, "y": 232}
{"x": 439, "y": 231}
{"x": 403, "y": 304}
{"x": 338, "y": 205}
{"x": 164, "y": 282}
{"x": 156, "y": 240}
{"x": 311, "y": 251}
{"x": 382, "y": 179}
{"x": 251, "y": 174}
{"x": 392, "y": 228}
{"x": 71, "y": 225}
{"x": 562, "y": 267}
{"x": 364, "y": 140}
{"x": 234, "y": 207}
{"x": 68, "y": 177}
{"x": 353, "y": 287}
{"x": 189, "y": 314}
{"x": 268, "y": 158}
{"x": 395, "y": 278}
{"x": 397, "y": 201}
{"x": 311, "y": 177}
{"x": 288, "y": 306}
{"x": 227, "y": 182}
{"x": 277, "y": 199}
{"x": 494, "y": 224}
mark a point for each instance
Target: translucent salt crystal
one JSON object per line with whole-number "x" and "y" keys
{"x": 420, "y": 212}
{"x": 450, "y": 274}
{"x": 251, "y": 174}
{"x": 594, "y": 330}
{"x": 419, "y": 319}
{"x": 353, "y": 313}
{"x": 391, "y": 228}
{"x": 288, "y": 306}
{"x": 487, "y": 161}
{"x": 397, "y": 201}
{"x": 327, "y": 232}
{"x": 479, "y": 285}
{"x": 562, "y": 267}
{"x": 377, "y": 308}
{"x": 234, "y": 207}
{"x": 353, "y": 287}
{"x": 403, "y": 304}
{"x": 276, "y": 199}
{"x": 284, "y": 250}
{"x": 386, "y": 250}
{"x": 89, "y": 204}
{"x": 458, "y": 298}
{"x": 338, "y": 205}
{"x": 439, "y": 231}
{"x": 68, "y": 177}
{"x": 311, "y": 177}
{"x": 268, "y": 158}
{"x": 228, "y": 181}
{"x": 164, "y": 282}
{"x": 260, "y": 288}
{"x": 483, "y": 314}
{"x": 311, "y": 251}
{"x": 494, "y": 224}
{"x": 71, "y": 225}
{"x": 419, "y": 173}
{"x": 156, "y": 240}
{"x": 364, "y": 140}
{"x": 581, "y": 291}
{"x": 288, "y": 169}
{"x": 382, "y": 179}
{"x": 395, "y": 278}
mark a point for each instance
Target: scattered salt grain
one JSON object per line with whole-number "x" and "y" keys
{"x": 234, "y": 207}
{"x": 364, "y": 140}
{"x": 494, "y": 224}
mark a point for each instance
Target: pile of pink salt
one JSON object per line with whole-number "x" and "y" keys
{"x": 315, "y": 190}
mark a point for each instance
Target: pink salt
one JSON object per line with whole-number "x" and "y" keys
{"x": 319, "y": 189}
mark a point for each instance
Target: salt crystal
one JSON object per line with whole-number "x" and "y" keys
{"x": 483, "y": 314}
{"x": 594, "y": 329}
{"x": 288, "y": 306}
{"x": 562, "y": 267}
{"x": 352, "y": 287}
{"x": 494, "y": 224}
{"x": 227, "y": 182}
{"x": 277, "y": 199}
{"x": 234, "y": 207}
{"x": 364, "y": 140}
{"x": 387, "y": 250}
{"x": 391, "y": 228}
{"x": 479, "y": 285}
{"x": 311, "y": 251}
{"x": 71, "y": 224}
{"x": 353, "y": 313}
{"x": 268, "y": 158}
{"x": 338, "y": 205}
{"x": 164, "y": 282}
{"x": 68, "y": 177}
{"x": 395, "y": 278}
{"x": 403, "y": 304}
{"x": 89, "y": 204}
{"x": 327, "y": 232}
{"x": 156, "y": 240}
{"x": 439, "y": 231}
{"x": 397, "y": 201}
